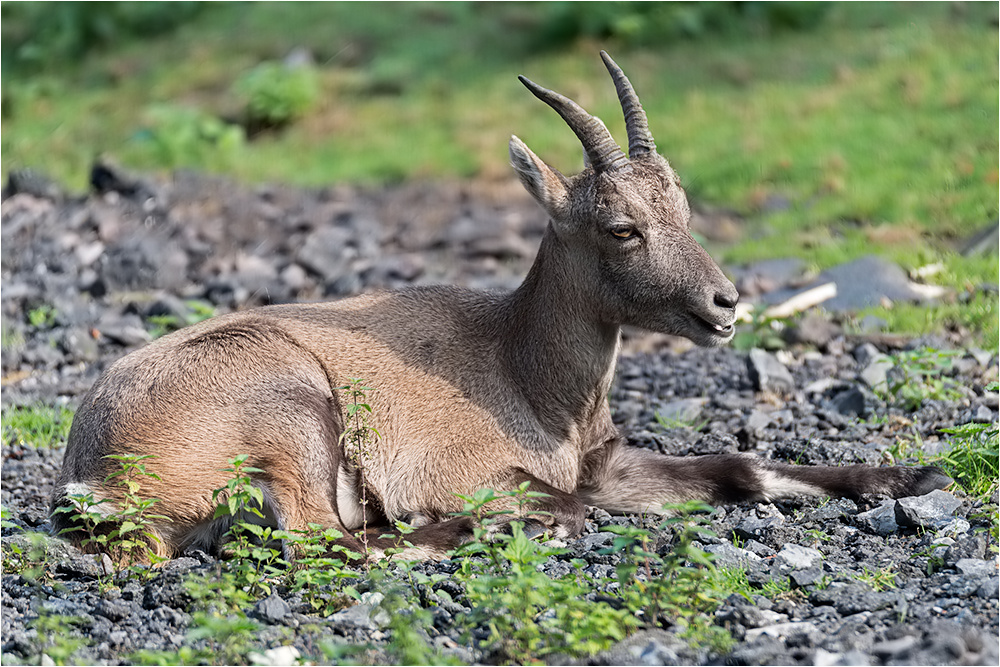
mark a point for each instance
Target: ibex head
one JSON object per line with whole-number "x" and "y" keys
{"x": 624, "y": 222}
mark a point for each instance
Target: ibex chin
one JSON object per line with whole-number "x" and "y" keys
{"x": 469, "y": 389}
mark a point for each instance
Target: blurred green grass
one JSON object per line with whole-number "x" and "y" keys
{"x": 873, "y": 131}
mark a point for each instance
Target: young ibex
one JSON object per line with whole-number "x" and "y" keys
{"x": 469, "y": 389}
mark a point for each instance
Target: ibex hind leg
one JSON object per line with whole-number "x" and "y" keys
{"x": 295, "y": 443}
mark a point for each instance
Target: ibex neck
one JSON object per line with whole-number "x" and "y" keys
{"x": 557, "y": 350}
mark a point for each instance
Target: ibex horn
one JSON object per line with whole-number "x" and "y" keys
{"x": 640, "y": 140}
{"x": 600, "y": 147}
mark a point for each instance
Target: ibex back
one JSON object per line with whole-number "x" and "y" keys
{"x": 468, "y": 389}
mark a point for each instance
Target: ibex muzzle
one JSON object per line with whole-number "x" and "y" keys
{"x": 469, "y": 389}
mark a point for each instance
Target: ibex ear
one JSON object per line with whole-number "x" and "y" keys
{"x": 544, "y": 183}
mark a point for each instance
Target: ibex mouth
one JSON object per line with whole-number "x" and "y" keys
{"x": 718, "y": 330}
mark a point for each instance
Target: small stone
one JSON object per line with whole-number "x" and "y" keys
{"x": 728, "y": 555}
{"x": 596, "y": 541}
{"x": 816, "y": 329}
{"x": 866, "y": 353}
{"x": 769, "y": 374}
{"x": 758, "y": 548}
{"x": 757, "y": 422}
{"x": 975, "y": 568}
{"x": 655, "y": 653}
{"x": 799, "y": 557}
{"x": 786, "y": 632}
{"x": 982, "y": 415}
{"x": 850, "y": 402}
{"x": 806, "y": 577}
{"x": 931, "y": 510}
{"x": 753, "y": 528}
{"x": 875, "y": 374}
{"x": 271, "y": 609}
{"x": 112, "y": 610}
{"x": 989, "y": 589}
{"x": 684, "y": 410}
{"x": 881, "y": 520}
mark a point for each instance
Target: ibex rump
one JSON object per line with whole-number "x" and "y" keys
{"x": 469, "y": 389}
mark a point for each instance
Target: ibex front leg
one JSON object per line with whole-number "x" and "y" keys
{"x": 628, "y": 479}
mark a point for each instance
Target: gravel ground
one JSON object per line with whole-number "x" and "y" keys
{"x": 112, "y": 262}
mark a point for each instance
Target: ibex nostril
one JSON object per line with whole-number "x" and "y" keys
{"x": 727, "y": 300}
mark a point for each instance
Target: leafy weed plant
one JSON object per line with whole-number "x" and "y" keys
{"x": 525, "y": 614}
{"x": 255, "y": 561}
{"x": 123, "y": 531}
{"x": 920, "y": 375}
{"x": 60, "y": 638}
{"x": 359, "y": 438}
{"x": 677, "y": 588}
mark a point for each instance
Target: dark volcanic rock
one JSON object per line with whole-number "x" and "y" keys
{"x": 119, "y": 267}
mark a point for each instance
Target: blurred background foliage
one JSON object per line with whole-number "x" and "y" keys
{"x": 835, "y": 129}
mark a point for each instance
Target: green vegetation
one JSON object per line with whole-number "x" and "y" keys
{"x": 884, "y": 141}
{"x": 880, "y": 580}
{"x": 197, "y": 311}
{"x": 123, "y": 531}
{"x": 972, "y": 458}
{"x": 359, "y": 438}
{"x": 919, "y": 375}
{"x": 36, "y": 425}
{"x": 276, "y": 95}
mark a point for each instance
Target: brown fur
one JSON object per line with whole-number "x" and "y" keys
{"x": 469, "y": 389}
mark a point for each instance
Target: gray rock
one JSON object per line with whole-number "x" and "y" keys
{"x": 866, "y": 353}
{"x": 79, "y": 344}
{"x": 880, "y": 521}
{"x": 801, "y": 632}
{"x": 271, "y": 609}
{"x": 728, "y": 555}
{"x": 984, "y": 242}
{"x": 989, "y": 589}
{"x": 113, "y": 610}
{"x": 753, "y": 527}
{"x": 799, "y": 557}
{"x": 850, "y": 402}
{"x": 982, "y": 415}
{"x": 934, "y": 509}
{"x": 759, "y": 548}
{"x": 854, "y": 658}
{"x": 684, "y": 410}
{"x": 769, "y": 374}
{"x": 975, "y": 568}
{"x": 325, "y": 252}
{"x": 806, "y": 577}
{"x": 853, "y": 598}
{"x": 876, "y": 373}
{"x": 596, "y": 541}
{"x": 862, "y": 283}
{"x": 815, "y": 328}
{"x": 768, "y": 275}
{"x": 366, "y": 615}
{"x": 757, "y": 422}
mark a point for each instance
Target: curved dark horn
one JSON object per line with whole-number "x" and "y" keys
{"x": 600, "y": 147}
{"x": 640, "y": 140}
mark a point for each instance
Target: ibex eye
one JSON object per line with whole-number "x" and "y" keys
{"x": 622, "y": 232}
